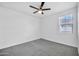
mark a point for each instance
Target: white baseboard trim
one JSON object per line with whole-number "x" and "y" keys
{"x": 31, "y": 39}
{"x": 58, "y": 42}
{"x": 10, "y": 45}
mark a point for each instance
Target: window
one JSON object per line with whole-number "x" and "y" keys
{"x": 66, "y": 23}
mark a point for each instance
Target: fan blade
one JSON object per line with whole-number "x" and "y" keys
{"x": 35, "y": 12}
{"x": 46, "y": 9}
{"x": 33, "y": 7}
{"x": 42, "y": 5}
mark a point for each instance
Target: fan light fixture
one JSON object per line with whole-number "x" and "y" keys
{"x": 40, "y": 12}
{"x": 40, "y": 9}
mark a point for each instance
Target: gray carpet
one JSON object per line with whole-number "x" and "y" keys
{"x": 40, "y": 47}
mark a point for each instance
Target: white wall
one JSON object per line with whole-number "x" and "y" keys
{"x": 50, "y": 29}
{"x": 17, "y": 28}
{"x": 78, "y": 28}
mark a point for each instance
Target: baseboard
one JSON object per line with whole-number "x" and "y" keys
{"x": 31, "y": 39}
{"x": 6, "y": 46}
{"x": 58, "y": 42}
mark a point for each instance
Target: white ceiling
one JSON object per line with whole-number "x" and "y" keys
{"x": 23, "y": 7}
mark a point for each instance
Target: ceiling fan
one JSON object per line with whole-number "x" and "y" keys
{"x": 40, "y": 9}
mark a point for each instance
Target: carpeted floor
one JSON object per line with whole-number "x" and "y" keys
{"x": 40, "y": 47}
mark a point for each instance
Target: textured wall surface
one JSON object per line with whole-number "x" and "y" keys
{"x": 50, "y": 29}
{"x": 17, "y": 28}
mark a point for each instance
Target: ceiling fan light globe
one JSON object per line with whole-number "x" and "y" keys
{"x": 40, "y": 12}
